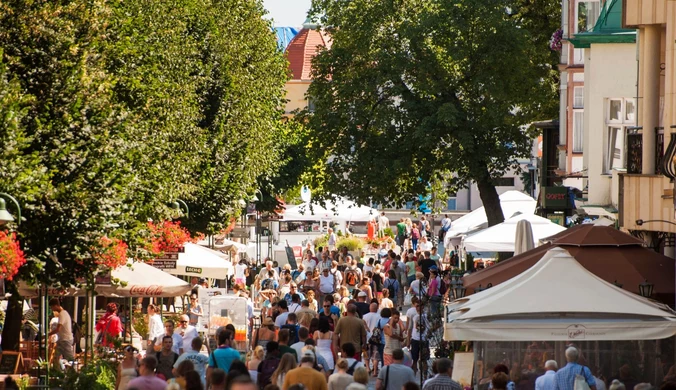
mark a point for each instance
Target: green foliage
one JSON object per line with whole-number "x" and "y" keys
{"x": 97, "y": 375}
{"x": 140, "y": 324}
{"x": 388, "y": 232}
{"x": 415, "y": 94}
{"x": 352, "y": 243}
{"x": 321, "y": 241}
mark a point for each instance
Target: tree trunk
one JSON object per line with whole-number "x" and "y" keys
{"x": 491, "y": 200}
{"x": 12, "y": 327}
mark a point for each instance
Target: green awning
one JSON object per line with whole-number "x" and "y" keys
{"x": 608, "y": 28}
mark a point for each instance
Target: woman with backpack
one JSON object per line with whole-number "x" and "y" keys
{"x": 378, "y": 338}
{"x": 392, "y": 285}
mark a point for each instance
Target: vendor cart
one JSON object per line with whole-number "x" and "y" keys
{"x": 229, "y": 309}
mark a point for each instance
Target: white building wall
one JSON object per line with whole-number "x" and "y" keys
{"x": 610, "y": 72}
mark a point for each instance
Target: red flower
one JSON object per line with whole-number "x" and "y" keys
{"x": 11, "y": 255}
{"x": 111, "y": 253}
{"x": 167, "y": 236}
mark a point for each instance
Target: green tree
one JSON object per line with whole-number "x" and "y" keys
{"x": 415, "y": 93}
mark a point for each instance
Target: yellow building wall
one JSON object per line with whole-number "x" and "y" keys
{"x": 641, "y": 12}
{"x": 295, "y": 95}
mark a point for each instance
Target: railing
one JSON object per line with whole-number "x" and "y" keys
{"x": 635, "y": 150}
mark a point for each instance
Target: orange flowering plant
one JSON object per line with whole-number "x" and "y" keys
{"x": 111, "y": 253}
{"x": 167, "y": 236}
{"x": 11, "y": 255}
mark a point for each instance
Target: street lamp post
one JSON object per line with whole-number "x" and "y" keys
{"x": 176, "y": 205}
{"x": 5, "y": 216}
{"x": 640, "y": 222}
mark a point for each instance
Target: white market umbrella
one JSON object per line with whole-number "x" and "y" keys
{"x": 502, "y": 237}
{"x": 203, "y": 262}
{"x": 524, "y": 237}
{"x": 339, "y": 210}
{"x": 522, "y": 308}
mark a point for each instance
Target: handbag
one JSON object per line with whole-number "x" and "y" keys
{"x": 580, "y": 381}
{"x": 407, "y": 299}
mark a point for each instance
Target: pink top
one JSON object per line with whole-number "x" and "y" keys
{"x": 148, "y": 383}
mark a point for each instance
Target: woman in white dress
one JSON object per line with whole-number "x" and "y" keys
{"x": 128, "y": 368}
{"x": 323, "y": 337}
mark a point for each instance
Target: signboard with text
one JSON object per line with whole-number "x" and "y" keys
{"x": 556, "y": 197}
{"x": 203, "y": 295}
{"x": 167, "y": 261}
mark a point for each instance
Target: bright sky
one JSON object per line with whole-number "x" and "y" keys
{"x": 287, "y": 13}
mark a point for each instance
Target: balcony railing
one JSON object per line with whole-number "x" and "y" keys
{"x": 635, "y": 150}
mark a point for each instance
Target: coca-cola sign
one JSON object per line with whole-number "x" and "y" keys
{"x": 151, "y": 291}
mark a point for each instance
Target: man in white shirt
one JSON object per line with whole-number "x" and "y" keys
{"x": 303, "y": 335}
{"x": 445, "y": 223}
{"x": 333, "y": 240}
{"x": 424, "y": 245}
{"x": 64, "y": 331}
{"x": 547, "y": 381}
{"x": 383, "y": 223}
{"x": 268, "y": 267}
{"x": 327, "y": 283}
{"x": 283, "y": 314}
{"x": 187, "y": 332}
{"x": 198, "y": 360}
{"x": 308, "y": 263}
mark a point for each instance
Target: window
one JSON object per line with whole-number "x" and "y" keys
{"x": 311, "y": 105}
{"x": 578, "y": 131}
{"x": 621, "y": 113}
{"x": 587, "y": 14}
{"x": 504, "y": 182}
{"x": 578, "y": 99}
{"x": 451, "y": 204}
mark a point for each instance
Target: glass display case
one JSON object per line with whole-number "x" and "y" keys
{"x": 229, "y": 309}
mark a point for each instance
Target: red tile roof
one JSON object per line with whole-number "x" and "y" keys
{"x": 302, "y": 49}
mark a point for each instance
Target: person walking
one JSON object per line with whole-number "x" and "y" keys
{"x": 198, "y": 360}
{"x": 305, "y": 374}
{"x": 127, "y": 370}
{"x": 109, "y": 327}
{"x": 340, "y": 379}
{"x": 147, "y": 380}
{"x": 564, "y": 379}
{"x": 546, "y": 381}
{"x": 394, "y": 335}
{"x": 177, "y": 340}
{"x": 64, "y": 331}
{"x": 155, "y": 329}
{"x": 350, "y": 329}
{"x": 166, "y": 358}
{"x": 443, "y": 379}
{"x": 323, "y": 339}
{"x": 187, "y": 332}
{"x": 224, "y": 355}
{"x": 287, "y": 364}
{"x": 383, "y": 223}
{"x": 396, "y": 374}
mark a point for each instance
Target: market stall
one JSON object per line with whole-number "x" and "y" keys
{"x": 535, "y": 315}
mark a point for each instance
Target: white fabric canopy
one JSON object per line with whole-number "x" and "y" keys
{"x": 524, "y": 237}
{"x": 557, "y": 300}
{"x": 512, "y": 202}
{"x": 340, "y": 210}
{"x": 141, "y": 280}
{"x": 502, "y": 237}
{"x": 199, "y": 261}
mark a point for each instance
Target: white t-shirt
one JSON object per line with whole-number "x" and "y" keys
{"x": 240, "y": 269}
{"x": 350, "y": 362}
{"x": 386, "y": 303}
{"x": 425, "y": 246}
{"x": 309, "y": 265}
{"x": 415, "y": 286}
{"x": 281, "y": 319}
{"x": 415, "y": 334}
{"x": 410, "y": 313}
{"x": 200, "y": 361}
{"x": 155, "y": 327}
{"x": 65, "y": 333}
{"x": 189, "y": 334}
{"x": 383, "y": 222}
{"x": 371, "y": 320}
{"x": 326, "y": 283}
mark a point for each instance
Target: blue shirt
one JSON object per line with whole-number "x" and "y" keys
{"x": 224, "y": 357}
{"x": 546, "y": 381}
{"x": 564, "y": 379}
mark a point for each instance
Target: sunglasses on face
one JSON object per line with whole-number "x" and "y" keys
{"x": 327, "y": 305}
{"x": 183, "y": 322}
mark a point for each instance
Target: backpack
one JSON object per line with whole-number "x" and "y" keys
{"x": 351, "y": 277}
{"x": 350, "y": 371}
{"x": 293, "y": 332}
{"x": 389, "y": 284}
{"x": 442, "y": 287}
{"x": 415, "y": 234}
{"x": 265, "y": 371}
{"x": 268, "y": 284}
{"x": 376, "y": 335}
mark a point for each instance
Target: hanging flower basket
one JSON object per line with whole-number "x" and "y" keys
{"x": 11, "y": 255}
{"x": 167, "y": 236}
{"x": 111, "y": 253}
{"x": 556, "y": 41}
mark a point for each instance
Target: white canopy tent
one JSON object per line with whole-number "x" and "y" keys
{"x": 340, "y": 210}
{"x": 512, "y": 202}
{"x": 586, "y": 308}
{"x": 502, "y": 237}
{"x": 223, "y": 243}
{"x": 140, "y": 280}
{"x": 199, "y": 261}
